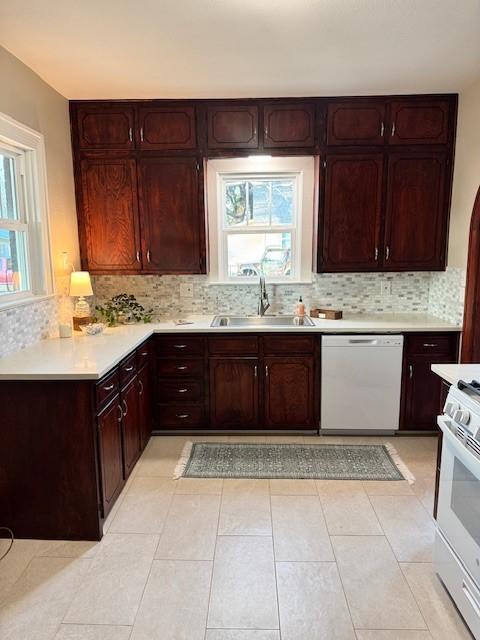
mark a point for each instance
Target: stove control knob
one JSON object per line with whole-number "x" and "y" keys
{"x": 462, "y": 416}
{"x": 451, "y": 408}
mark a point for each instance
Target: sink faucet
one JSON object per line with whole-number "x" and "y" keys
{"x": 263, "y": 302}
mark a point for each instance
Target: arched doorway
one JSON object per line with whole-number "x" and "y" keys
{"x": 471, "y": 320}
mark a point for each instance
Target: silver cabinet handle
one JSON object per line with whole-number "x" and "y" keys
{"x": 182, "y": 367}
{"x": 141, "y": 134}
{"x": 180, "y": 346}
{"x": 430, "y": 344}
{"x": 182, "y": 416}
{"x": 255, "y": 371}
{"x": 138, "y": 256}
{"x": 182, "y": 390}
{"x": 393, "y": 129}
{"x": 109, "y": 388}
{"x": 382, "y": 129}
{"x": 148, "y": 255}
{"x": 128, "y": 369}
{"x": 144, "y": 353}
{"x": 266, "y": 370}
{"x": 387, "y": 253}
{"x": 120, "y": 414}
{"x": 376, "y": 254}
{"x": 125, "y": 406}
{"x": 130, "y": 134}
{"x": 140, "y": 391}
{"x": 410, "y": 371}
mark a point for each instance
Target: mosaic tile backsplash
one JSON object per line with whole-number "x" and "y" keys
{"x": 438, "y": 293}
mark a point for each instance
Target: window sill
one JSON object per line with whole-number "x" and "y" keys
{"x": 22, "y": 302}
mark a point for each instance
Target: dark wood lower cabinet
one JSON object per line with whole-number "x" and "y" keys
{"x": 234, "y": 401}
{"x": 130, "y": 425}
{"x": 290, "y": 392}
{"x": 145, "y": 403}
{"x": 109, "y": 425}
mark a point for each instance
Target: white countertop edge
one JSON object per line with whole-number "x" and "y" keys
{"x": 452, "y": 373}
{"x": 91, "y": 357}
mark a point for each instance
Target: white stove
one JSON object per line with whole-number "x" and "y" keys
{"x": 457, "y": 547}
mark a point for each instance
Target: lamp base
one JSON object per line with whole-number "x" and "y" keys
{"x": 79, "y": 321}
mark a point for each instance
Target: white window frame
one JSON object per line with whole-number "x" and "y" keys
{"x": 302, "y": 168}
{"x": 28, "y": 148}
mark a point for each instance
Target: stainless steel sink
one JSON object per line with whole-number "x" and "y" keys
{"x": 261, "y": 321}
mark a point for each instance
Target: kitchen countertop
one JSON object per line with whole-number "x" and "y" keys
{"x": 91, "y": 357}
{"x": 452, "y": 373}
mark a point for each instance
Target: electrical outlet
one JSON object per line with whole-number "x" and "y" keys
{"x": 386, "y": 288}
{"x": 186, "y": 290}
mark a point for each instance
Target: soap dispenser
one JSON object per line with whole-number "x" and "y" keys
{"x": 300, "y": 308}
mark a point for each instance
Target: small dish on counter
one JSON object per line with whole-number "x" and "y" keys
{"x": 92, "y": 329}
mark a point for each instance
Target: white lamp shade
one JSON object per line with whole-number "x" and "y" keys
{"x": 80, "y": 284}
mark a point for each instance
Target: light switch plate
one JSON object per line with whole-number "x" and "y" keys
{"x": 186, "y": 290}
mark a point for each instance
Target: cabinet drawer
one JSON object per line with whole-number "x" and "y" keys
{"x": 180, "y": 346}
{"x": 127, "y": 369}
{"x": 106, "y": 388}
{"x": 227, "y": 345}
{"x": 180, "y": 416}
{"x": 433, "y": 343}
{"x": 288, "y": 344}
{"x": 180, "y": 390}
{"x": 181, "y": 367}
{"x": 143, "y": 353}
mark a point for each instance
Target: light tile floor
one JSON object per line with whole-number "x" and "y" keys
{"x": 241, "y": 560}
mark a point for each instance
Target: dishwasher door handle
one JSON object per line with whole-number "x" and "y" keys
{"x": 363, "y": 341}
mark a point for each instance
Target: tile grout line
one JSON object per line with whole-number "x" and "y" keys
{"x": 213, "y": 564}
{"x": 275, "y": 564}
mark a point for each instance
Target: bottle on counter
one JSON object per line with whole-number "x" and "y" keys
{"x": 300, "y": 308}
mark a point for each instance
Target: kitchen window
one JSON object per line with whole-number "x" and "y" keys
{"x": 260, "y": 215}
{"x": 24, "y": 249}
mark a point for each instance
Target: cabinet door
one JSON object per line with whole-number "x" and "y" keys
{"x": 170, "y": 215}
{"x": 232, "y": 127}
{"x": 110, "y": 453}
{"x": 354, "y": 123}
{"x": 105, "y": 127}
{"x": 109, "y": 215}
{"x": 290, "y": 392}
{"x": 145, "y": 403}
{"x": 350, "y": 233}
{"x": 234, "y": 393}
{"x": 130, "y": 425}
{"x": 422, "y": 395}
{"x": 416, "y": 215}
{"x": 419, "y": 122}
{"x": 167, "y": 127}
{"x": 289, "y": 125}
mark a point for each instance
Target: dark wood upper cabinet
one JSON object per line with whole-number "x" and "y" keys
{"x": 110, "y": 453}
{"x": 289, "y": 125}
{"x": 168, "y": 127}
{"x": 234, "y": 401}
{"x": 108, "y": 218}
{"x": 419, "y": 122}
{"x": 350, "y": 232}
{"x": 108, "y": 126}
{"x": 170, "y": 215}
{"x": 290, "y": 392}
{"x": 232, "y": 127}
{"x": 416, "y": 217}
{"x": 356, "y": 123}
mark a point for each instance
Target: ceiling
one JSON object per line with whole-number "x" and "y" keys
{"x": 241, "y": 48}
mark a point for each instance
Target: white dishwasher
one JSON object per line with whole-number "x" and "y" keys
{"x": 361, "y": 383}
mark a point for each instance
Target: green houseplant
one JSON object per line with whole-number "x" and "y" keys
{"x": 123, "y": 309}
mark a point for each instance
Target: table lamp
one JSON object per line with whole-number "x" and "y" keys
{"x": 80, "y": 286}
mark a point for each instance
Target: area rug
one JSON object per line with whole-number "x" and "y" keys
{"x": 292, "y": 461}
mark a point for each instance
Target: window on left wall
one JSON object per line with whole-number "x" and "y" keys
{"x": 25, "y": 264}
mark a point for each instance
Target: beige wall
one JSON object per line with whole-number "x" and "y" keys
{"x": 466, "y": 175}
{"x": 27, "y": 98}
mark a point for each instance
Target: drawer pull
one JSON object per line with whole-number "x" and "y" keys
{"x": 128, "y": 369}
{"x": 109, "y": 388}
{"x": 182, "y": 367}
{"x": 182, "y": 390}
{"x": 430, "y": 344}
{"x": 182, "y": 416}
{"x": 144, "y": 353}
{"x": 180, "y": 346}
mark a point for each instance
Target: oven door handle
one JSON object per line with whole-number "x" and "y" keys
{"x": 471, "y": 598}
